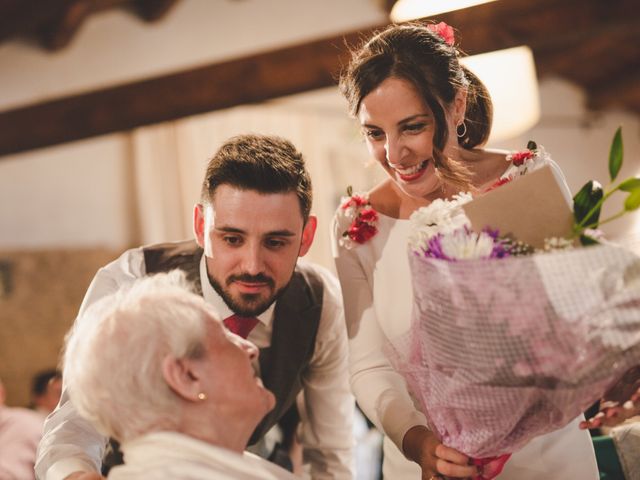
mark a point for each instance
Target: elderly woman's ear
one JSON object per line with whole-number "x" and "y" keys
{"x": 181, "y": 374}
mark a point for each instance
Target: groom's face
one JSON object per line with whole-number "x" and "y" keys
{"x": 251, "y": 242}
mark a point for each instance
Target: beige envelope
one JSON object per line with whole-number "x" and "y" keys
{"x": 531, "y": 208}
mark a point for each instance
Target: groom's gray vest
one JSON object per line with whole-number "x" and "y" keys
{"x": 295, "y": 324}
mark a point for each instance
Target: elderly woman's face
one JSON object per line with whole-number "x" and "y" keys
{"x": 233, "y": 381}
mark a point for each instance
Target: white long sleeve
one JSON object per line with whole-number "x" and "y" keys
{"x": 380, "y": 391}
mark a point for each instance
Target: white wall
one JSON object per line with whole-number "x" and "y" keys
{"x": 73, "y": 195}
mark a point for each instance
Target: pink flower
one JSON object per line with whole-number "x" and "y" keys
{"x": 444, "y": 31}
{"x": 519, "y": 158}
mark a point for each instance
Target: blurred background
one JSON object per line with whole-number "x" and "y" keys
{"x": 109, "y": 110}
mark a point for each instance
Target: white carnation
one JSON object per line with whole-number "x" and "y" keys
{"x": 464, "y": 245}
{"x": 440, "y": 216}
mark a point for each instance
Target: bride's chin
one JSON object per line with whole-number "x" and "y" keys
{"x": 424, "y": 190}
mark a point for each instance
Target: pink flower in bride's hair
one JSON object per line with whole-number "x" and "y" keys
{"x": 444, "y": 31}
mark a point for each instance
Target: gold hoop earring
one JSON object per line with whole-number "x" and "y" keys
{"x": 464, "y": 129}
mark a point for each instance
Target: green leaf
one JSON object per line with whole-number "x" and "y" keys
{"x": 615, "y": 154}
{"x": 349, "y": 191}
{"x": 586, "y": 240}
{"x": 585, "y": 200}
{"x": 633, "y": 201}
{"x": 531, "y": 145}
{"x": 630, "y": 184}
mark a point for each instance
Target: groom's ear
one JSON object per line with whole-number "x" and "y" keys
{"x": 308, "y": 233}
{"x": 198, "y": 224}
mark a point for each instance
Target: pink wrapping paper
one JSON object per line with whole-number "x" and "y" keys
{"x": 501, "y": 351}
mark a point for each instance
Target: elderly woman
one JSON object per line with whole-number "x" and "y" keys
{"x": 153, "y": 367}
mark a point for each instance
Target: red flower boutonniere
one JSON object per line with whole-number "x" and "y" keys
{"x": 444, "y": 31}
{"x": 522, "y": 162}
{"x": 363, "y": 217}
{"x": 518, "y": 158}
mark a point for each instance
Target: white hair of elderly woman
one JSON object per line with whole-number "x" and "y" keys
{"x": 114, "y": 353}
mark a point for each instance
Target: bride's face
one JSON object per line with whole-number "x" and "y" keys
{"x": 398, "y": 128}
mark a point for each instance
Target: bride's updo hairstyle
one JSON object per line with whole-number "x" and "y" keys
{"x": 415, "y": 52}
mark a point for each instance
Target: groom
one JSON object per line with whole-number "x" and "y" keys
{"x": 251, "y": 225}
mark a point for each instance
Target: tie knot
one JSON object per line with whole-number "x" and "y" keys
{"x": 239, "y": 325}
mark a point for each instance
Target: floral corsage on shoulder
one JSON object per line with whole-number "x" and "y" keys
{"x": 361, "y": 216}
{"x": 522, "y": 162}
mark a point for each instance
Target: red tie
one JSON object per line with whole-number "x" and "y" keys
{"x": 241, "y": 326}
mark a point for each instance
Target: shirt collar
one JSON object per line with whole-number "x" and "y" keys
{"x": 215, "y": 300}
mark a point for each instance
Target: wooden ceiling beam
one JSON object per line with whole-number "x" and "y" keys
{"x": 622, "y": 91}
{"x": 153, "y": 10}
{"x": 25, "y": 17}
{"x": 540, "y": 24}
{"x": 545, "y": 25}
{"x": 58, "y": 31}
{"x": 54, "y": 22}
{"x": 227, "y": 84}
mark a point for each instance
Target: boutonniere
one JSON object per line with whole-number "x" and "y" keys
{"x": 532, "y": 158}
{"x": 362, "y": 217}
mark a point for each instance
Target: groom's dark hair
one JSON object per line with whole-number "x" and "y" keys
{"x": 266, "y": 164}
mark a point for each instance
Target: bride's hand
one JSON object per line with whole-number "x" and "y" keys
{"x": 435, "y": 459}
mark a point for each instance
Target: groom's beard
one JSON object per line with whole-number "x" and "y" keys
{"x": 247, "y": 304}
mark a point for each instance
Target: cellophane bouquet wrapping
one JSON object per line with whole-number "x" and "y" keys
{"x": 500, "y": 352}
{"x": 507, "y": 343}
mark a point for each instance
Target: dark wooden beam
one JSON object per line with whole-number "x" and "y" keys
{"x": 58, "y": 31}
{"x": 54, "y": 22}
{"x": 153, "y": 10}
{"x": 622, "y": 91}
{"x": 545, "y": 25}
{"x": 246, "y": 80}
{"x": 539, "y": 24}
{"x": 25, "y": 17}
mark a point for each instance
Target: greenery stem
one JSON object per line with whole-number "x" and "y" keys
{"x": 597, "y": 224}
{"x": 594, "y": 209}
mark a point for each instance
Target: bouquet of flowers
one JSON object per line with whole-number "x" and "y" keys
{"x": 511, "y": 340}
